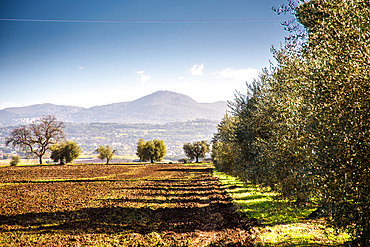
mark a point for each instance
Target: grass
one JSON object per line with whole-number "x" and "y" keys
{"x": 279, "y": 223}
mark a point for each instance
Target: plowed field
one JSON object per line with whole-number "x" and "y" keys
{"x": 117, "y": 205}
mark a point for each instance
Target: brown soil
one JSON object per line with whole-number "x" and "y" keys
{"x": 117, "y": 205}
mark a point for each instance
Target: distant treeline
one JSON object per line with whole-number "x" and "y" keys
{"x": 124, "y": 137}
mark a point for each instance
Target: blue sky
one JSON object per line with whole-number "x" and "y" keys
{"x": 88, "y": 52}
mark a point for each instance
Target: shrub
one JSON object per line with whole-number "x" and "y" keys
{"x": 15, "y": 160}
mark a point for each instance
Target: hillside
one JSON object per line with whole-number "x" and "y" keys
{"x": 158, "y": 108}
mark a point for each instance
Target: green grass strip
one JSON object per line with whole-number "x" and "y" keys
{"x": 280, "y": 223}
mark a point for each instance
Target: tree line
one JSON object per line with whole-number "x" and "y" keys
{"x": 124, "y": 137}
{"x": 46, "y": 134}
{"x": 303, "y": 127}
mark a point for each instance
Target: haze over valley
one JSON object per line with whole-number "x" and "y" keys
{"x": 157, "y": 108}
{"x": 172, "y": 117}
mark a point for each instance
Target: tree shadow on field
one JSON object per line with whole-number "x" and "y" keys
{"x": 183, "y": 206}
{"x": 197, "y": 170}
{"x": 53, "y": 181}
{"x": 112, "y": 220}
{"x": 96, "y": 220}
{"x": 173, "y": 188}
{"x": 197, "y": 200}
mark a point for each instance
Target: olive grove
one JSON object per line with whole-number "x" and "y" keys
{"x": 303, "y": 127}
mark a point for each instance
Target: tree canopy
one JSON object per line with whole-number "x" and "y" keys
{"x": 65, "y": 152}
{"x": 196, "y": 150}
{"x": 152, "y": 150}
{"x": 105, "y": 153}
{"x": 38, "y": 136}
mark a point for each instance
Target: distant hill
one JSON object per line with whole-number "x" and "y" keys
{"x": 158, "y": 108}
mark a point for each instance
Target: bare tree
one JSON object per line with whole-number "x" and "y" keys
{"x": 38, "y": 136}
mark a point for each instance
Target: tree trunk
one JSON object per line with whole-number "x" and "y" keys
{"x": 197, "y": 159}
{"x": 40, "y": 159}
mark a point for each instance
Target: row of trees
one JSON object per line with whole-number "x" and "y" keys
{"x": 47, "y": 134}
{"x": 155, "y": 150}
{"x": 303, "y": 128}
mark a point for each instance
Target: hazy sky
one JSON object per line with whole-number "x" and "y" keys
{"x": 89, "y": 52}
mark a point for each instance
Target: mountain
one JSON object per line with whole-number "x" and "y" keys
{"x": 158, "y": 108}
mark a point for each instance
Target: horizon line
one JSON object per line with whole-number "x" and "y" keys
{"x": 87, "y": 107}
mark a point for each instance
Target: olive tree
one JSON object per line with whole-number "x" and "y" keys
{"x": 105, "y": 153}
{"x": 337, "y": 54}
{"x": 65, "y": 152}
{"x": 38, "y": 136}
{"x": 196, "y": 150}
{"x": 152, "y": 150}
{"x": 224, "y": 148}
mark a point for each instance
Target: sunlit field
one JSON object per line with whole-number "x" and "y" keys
{"x": 278, "y": 223}
{"x": 6, "y": 162}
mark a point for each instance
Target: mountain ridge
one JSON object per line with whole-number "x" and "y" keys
{"x": 158, "y": 108}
